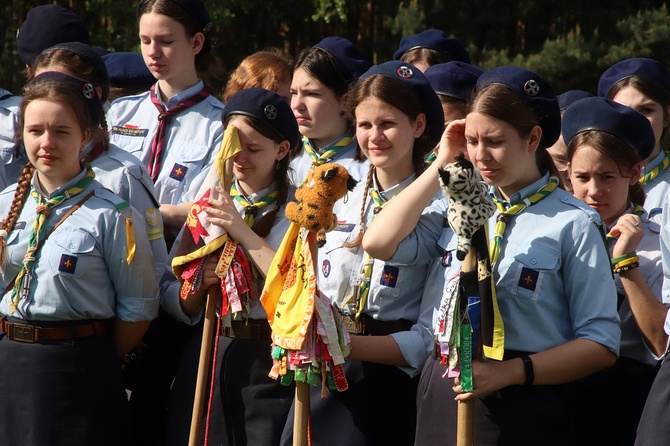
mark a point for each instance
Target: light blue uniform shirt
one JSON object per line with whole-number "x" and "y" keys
{"x": 122, "y": 173}
{"x": 302, "y": 163}
{"x": 170, "y": 286}
{"x": 395, "y": 290}
{"x": 649, "y": 251}
{"x": 656, "y": 190}
{"x": 193, "y": 139}
{"x": 665, "y": 257}
{"x": 101, "y": 284}
{"x": 11, "y": 162}
{"x": 553, "y": 276}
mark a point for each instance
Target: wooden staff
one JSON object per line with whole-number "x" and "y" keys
{"x": 203, "y": 369}
{"x": 465, "y": 428}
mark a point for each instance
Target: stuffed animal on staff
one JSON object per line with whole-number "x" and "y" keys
{"x": 309, "y": 339}
{"x": 475, "y": 324}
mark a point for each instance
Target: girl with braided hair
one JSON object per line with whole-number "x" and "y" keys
{"x": 78, "y": 279}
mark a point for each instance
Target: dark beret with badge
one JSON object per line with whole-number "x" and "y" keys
{"x": 534, "y": 91}
{"x": 455, "y": 79}
{"x": 46, "y": 26}
{"x": 128, "y": 70}
{"x": 648, "y": 69}
{"x": 350, "y": 59}
{"x": 433, "y": 39}
{"x": 607, "y": 116}
{"x": 84, "y": 90}
{"x": 268, "y": 109}
{"x": 416, "y": 81}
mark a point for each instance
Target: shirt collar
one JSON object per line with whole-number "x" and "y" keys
{"x": 391, "y": 192}
{"x": 181, "y": 96}
{"x": 36, "y": 184}
{"x": 521, "y": 194}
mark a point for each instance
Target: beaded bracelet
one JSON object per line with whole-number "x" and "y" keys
{"x": 628, "y": 255}
{"x": 623, "y": 269}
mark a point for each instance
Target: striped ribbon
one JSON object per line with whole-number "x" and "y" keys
{"x": 637, "y": 210}
{"x": 503, "y": 217}
{"x": 164, "y": 118}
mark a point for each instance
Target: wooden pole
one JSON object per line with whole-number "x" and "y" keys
{"x": 465, "y": 428}
{"x": 203, "y": 370}
{"x": 301, "y": 415}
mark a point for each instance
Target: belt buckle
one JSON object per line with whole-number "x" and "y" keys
{"x": 23, "y": 333}
{"x": 351, "y": 325}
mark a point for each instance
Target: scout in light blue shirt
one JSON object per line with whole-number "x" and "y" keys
{"x": 193, "y": 138}
{"x": 97, "y": 282}
{"x": 658, "y": 188}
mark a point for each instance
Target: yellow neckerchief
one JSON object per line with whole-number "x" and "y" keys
{"x": 503, "y": 217}
{"x": 637, "y": 210}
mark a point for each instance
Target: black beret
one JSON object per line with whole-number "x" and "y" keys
{"x": 90, "y": 55}
{"x": 607, "y": 116}
{"x": 569, "y": 97}
{"x": 455, "y": 79}
{"x": 128, "y": 70}
{"x": 46, "y": 26}
{"x": 416, "y": 81}
{"x": 84, "y": 89}
{"x": 433, "y": 39}
{"x": 648, "y": 69}
{"x": 196, "y": 8}
{"x": 268, "y": 109}
{"x": 534, "y": 91}
{"x": 350, "y": 59}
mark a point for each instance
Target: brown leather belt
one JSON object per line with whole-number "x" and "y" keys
{"x": 249, "y": 329}
{"x": 369, "y": 326}
{"x": 32, "y": 334}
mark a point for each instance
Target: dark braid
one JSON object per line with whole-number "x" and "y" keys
{"x": 359, "y": 238}
{"x": 20, "y": 195}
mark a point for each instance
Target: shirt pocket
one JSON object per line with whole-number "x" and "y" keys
{"x": 132, "y": 144}
{"x": 448, "y": 242}
{"x": 181, "y": 164}
{"x": 331, "y": 256}
{"x": 72, "y": 255}
{"x": 531, "y": 269}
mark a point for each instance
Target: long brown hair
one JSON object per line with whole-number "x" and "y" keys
{"x": 499, "y": 102}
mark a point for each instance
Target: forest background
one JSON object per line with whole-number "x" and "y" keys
{"x": 570, "y": 43}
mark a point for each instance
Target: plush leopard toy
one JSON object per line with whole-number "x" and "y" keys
{"x": 316, "y": 198}
{"x": 468, "y": 207}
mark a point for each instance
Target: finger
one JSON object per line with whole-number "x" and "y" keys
{"x": 464, "y": 396}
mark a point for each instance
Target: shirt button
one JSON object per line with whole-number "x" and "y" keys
{"x": 533, "y": 261}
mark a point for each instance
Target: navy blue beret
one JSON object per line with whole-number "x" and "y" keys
{"x": 416, "y": 81}
{"x": 566, "y": 99}
{"x": 90, "y": 55}
{"x": 196, "y": 8}
{"x": 433, "y": 39}
{"x": 128, "y": 70}
{"x": 607, "y": 116}
{"x": 648, "y": 69}
{"x": 534, "y": 91}
{"x": 46, "y": 26}
{"x": 456, "y": 79}
{"x": 350, "y": 59}
{"x": 84, "y": 89}
{"x": 268, "y": 109}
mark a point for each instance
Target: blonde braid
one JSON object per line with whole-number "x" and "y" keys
{"x": 359, "y": 238}
{"x": 7, "y": 224}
